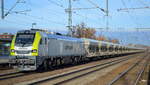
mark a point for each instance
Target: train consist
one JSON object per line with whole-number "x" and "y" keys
{"x": 36, "y": 49}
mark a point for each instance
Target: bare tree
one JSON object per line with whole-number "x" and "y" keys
{"x": 82, "y": 31}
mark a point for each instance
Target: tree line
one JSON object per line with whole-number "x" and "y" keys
{"x": 82, "y": 31}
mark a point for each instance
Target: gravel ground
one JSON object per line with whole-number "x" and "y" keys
{"x": 103, "y": 80}
{"x": 45, "y": 74}
{"x": 7, "y": 71}
{"x": 50, "y": 73}
{"x": 130, "y": 77}
{"x": 4, "y": 60}
{"x": 91, "y": 77}
{"x": 145, "y": 79}
{"x": 148, "y": 76}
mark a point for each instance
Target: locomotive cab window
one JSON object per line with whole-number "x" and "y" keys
{"x": 24, "y": 38}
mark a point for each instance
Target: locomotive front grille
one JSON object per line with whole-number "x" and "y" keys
{"x": 22, "y": 61}
{"x": 22, "y": 52}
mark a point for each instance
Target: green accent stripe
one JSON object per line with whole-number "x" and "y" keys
{"x": 36, "y": 43}
{"x": 12, "y": 47}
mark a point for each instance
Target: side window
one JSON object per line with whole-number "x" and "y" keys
{"x": 41, "y": 41}
{"x": 45, "y": 40}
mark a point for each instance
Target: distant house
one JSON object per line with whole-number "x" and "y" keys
{"x": 6, "y": 36}
{"x": 5, "y": 41}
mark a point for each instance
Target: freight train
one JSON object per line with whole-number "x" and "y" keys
{"x": 37, "y": 49}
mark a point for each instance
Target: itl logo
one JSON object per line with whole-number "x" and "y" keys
{"x": 68, "y": 47}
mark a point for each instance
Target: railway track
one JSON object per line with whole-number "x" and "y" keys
{"x": 10, "y": 75}
{"x": 68, "y": 76}
{"x": 125, "y": 72}
{"x": 13, "y": 75}
{"x": 6, "y": 74}
{"x": 141, "y": 72}
{"x": 16, "y": 77}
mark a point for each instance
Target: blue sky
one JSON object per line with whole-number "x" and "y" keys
{"x": 51, "y": 15}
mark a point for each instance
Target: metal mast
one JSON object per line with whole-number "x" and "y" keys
{"x": 70, "y": 17}
{"x": 2, "y": 9}
{"x": 107, "y": 21}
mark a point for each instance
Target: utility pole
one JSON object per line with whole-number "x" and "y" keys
{"x": 70, "y": 17}
{"x": 33, "y": 24}
{"x": 3, "y": 15}
{"x": 107, "y": 21}
{"x": 106, "y": 7}
{"x": 100, "y": 30}
{"x": 2, "y": 9}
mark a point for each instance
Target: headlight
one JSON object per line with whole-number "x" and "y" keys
{"x": 34, "y": 51}
{"x": 12, "y": 50}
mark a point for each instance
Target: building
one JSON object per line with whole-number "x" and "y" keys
{"x": 5, "y": 41}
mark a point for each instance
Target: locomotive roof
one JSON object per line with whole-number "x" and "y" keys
{"x": 26, "y": 31}
{"x": 68, "y": 38}
{"x": 103, "y": 42}
{"x": 60, "y": 37}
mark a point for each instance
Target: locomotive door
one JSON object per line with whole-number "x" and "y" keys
{"x": 44, "y": 47}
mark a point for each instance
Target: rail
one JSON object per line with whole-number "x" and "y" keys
{"x": 88, "y": 70}
{"x": 125, "y": 72}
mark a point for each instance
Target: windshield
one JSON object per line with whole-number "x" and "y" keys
{"x": 27, "y": 38}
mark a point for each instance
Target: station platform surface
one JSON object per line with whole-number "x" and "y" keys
{"x": 4, "y": 59}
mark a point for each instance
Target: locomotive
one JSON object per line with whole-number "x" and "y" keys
{"x": 37, "y": 49}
